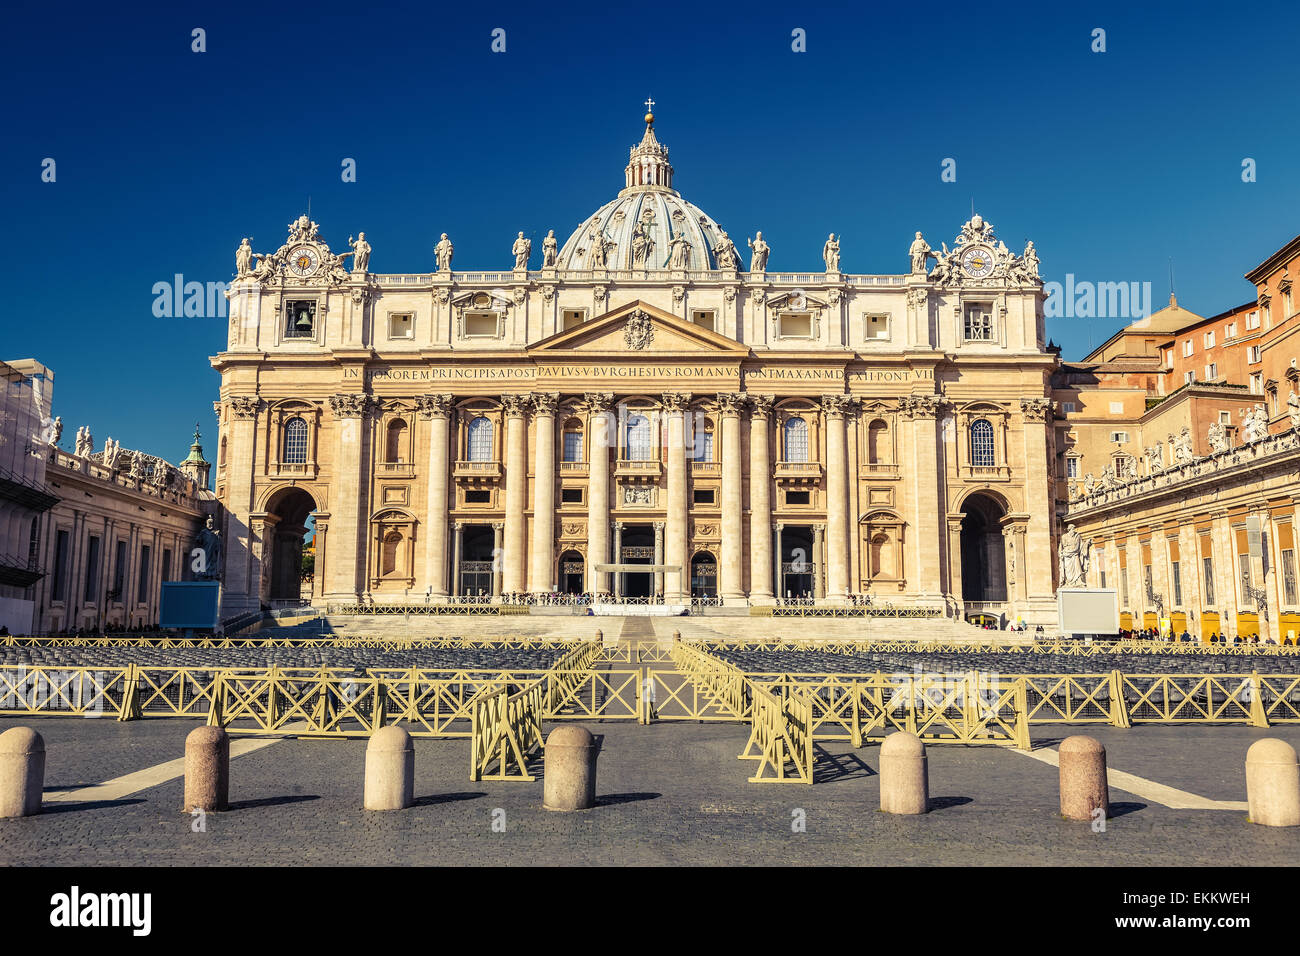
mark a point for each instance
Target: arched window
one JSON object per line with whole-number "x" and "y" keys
{"x": 878, "y": 451}
{"x": 295, "y": 442}
{"x": 396, "y": 440}
{"x": 480, "y": 439}
{"x": 639, "y": 444}
{"x": 703, "y": 445}
{"x": 572, "y": 450}
{"x": 221, "y": 455}
{"x": 796, "y": 440}
{"x": 388, "y": 558}
{"x": 981, "y": 443}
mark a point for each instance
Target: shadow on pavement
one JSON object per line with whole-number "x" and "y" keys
{"x": 613, "y": 799}
{"x": 433, "y": 799}
{"x": 270, "y": 802}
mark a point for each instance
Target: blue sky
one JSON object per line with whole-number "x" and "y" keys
{"x": 1111, "y": 162}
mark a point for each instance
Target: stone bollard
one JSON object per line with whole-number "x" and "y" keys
{"x": 1084, "y": 787}
{"x": 1272, "y": 783}
{"x": 677, "y": 636}
{"x": 569, "y": 770}
{"x": 207, "y": 769}
{"x": 904, "y": 774}
{"x": 22, "y": 772}
{"x": 390, "y": 770}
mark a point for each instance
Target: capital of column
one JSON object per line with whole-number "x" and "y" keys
{"x": 350, "y": 405}
{"x": 618, "y": 526}
{"x": 778, "y": 526}
{"x": 838, "y": 406}
{"x": 516, "y": 406}
{"x": 244, "y": 407}
{"x": 761, "y": 405}
{"x": 675, "y": 402}
{"x": 1037, "y": 409}
{"x": 659, "y": 526}
{"x": 921, "y": 406}
{"x": 434, "y": 406}
{"x": 459, "y": 526}
{"x": 496, "y": 525}
{"x": 544, "y": 403}
{"x": 595, "y": 402}
{"x": 731, "y": 404}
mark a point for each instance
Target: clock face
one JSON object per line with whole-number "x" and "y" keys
{"x": 303, "y": 260}
{"x": 977, "y": 262}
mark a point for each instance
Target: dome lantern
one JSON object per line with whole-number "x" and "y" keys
{"x": 647, "y": 163}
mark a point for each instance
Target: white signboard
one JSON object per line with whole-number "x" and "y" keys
{"x": 1088, "y": 610}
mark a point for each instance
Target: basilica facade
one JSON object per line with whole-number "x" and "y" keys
{"x": 634, "y": 412}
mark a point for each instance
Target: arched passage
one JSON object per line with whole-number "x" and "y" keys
{"x": 983, "y": 561}
{"x": 704, "y": 575}
{"x": 286, "y": 529}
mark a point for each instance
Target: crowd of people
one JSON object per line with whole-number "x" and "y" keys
{"x": 1151, "y": 634}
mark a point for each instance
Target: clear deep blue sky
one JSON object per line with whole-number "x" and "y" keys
{"x": 1112, "y": 163}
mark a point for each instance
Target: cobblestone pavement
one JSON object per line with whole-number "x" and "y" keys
{"x": 669, "y": 794}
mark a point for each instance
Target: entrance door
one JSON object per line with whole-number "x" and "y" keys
{"x": 797, "y": 562}
{"x": 638, "y": 548}
{"x": 571, "y": 573}
{"x": 476, "y": 560}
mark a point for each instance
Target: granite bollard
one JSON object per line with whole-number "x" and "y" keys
{"x": 904, "y": 774}
{"x": 207, "y": 769}
{"x": 1084, "y": 787}
{"x": 1272, "y": 783}
{"x": 22, "y": 772}
{"x": 390, "y": 770}
{"x": 569, "y": 770}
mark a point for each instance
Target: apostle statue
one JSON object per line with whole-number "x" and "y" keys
{"x": 361, "y": 253}
{"x": 921, "y": 254}
{"x": 1073, "y": 555}
{"x": 522, "y": 249}
{"x": 442, "y": 252}
{"x": 56, "y": 431}
{"x": 725, "y": 251}
{"x": 137, "y": 466}
{"x": 1217, "y": 437}
{"x": 642, "y": 245}
{"x": 1293, "y": 409}
{"x": 267, "y": 266}
{"x": 679, "y": 252}
{"x": 596, "y": 252}
{"x": 1089, "y": 484}
{"x": 1155, "y": 456}
{"x": 244, "y": 259}
{"x": 831, "y": 253}
{"x": 1030, "y": 260}
{"x": 550, "y": 249}
{"x": 761, "y": 250}
{"x": 1181, "y": 446}
{"x": 207, "y": 564}
{"x": 111, "y": 453}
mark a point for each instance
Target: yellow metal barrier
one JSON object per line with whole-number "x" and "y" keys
{"x": 780, "y": 737}
{"x": 66, "y": 691}
{"x": 506, "y": 731}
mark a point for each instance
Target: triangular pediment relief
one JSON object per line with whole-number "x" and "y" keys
{"x": 638, "y": 329}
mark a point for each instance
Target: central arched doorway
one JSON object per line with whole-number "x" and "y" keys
{"x": 477, "y": 565}
{"x": 286, "y": 577}
{"x": 983, "y": 554}
{"x": 704, "y": 575}
{"x": 638, "y": 548}
{"x": 571, "y": 573}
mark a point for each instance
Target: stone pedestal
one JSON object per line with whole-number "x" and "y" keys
{"x": 570, "y": 769}
{"x": 1084, "y": 788}
{"x": 22, "y": 772}
{"x": 390, "y": 770}
{"x": 904, "y": 775}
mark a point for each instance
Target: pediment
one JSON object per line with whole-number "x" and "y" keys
{"x": 638, "y": 328}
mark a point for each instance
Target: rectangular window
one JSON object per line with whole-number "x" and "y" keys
{"x": 797, "y": 497}
{"x": 1230, "y": 331}
{"x": 1212, "y": 371}
{"x": 573, "y": 446}
{"x": 703, "y": 318}
{"x": 92, "y": 567}
{"x": 1189, "y": 377}
{"x": 1209, "y": 339}
{"x": 1243, "y": 570}
{"x": 167, "y": 564}
{"x": 571, "y": 496}
{"x": 1188, "y": 348}
{"x": 1123, "y": 586}
{"x": 1207, "y": 571}
{"x": 1257, "y": 383}
{"x": 1069, "y": 408}
{"x": 1225, "y": 418}
{"x": 477, "y": 496}
{"x": 573, "y": 318}
{"x": 1254, "y": 354}
{"x": 1101, "y": 569}
{"x": 481, "y": 325}
{"x": 978, "y": 326}
{"x": 60, "y": 565}
{"x": 1252, "y": 321}
{"x": 1169, "y": 358}
{"x": 401, "y": 325}
{"x": 299, "y": 319}
{"x": 796, "y": 325}
{"x": 119, "y": 571}
{"x": 1117, "y": 408}
{"x": 142, "y": 589}
{"x": 1072, "y": 467}
{"x": 1120, "y": 437}
{"x": 1178, "y": 583}
{"x": 703, "y": 496}
{"x": 1146, "y": 582}
{"x": 877, "y": 328}
{"x": 1288, "y": 578}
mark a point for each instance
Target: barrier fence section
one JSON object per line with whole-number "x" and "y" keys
{"x": 780, "y": 736}
{"x": 1071, "y": 648}
{"x": 506, "y": 732}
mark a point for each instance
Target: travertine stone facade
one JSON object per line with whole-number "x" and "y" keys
{"x": 640, "y": 399}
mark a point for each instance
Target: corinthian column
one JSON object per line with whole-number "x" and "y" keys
{"x": 600, "y": 429}
{"x": 348, "y": 560}
{"x": 436, "y": 409}
{"x": 760, "y": 500}
{"x": 544, "y": 491}
{"x": 675, "y": 523}
{"x": 837, "y": 408}
{"x": 730, "y": 581}
{"x": 512, "y": 571}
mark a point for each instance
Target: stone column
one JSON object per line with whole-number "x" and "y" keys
{"x": 730, "y": 584}
{"x": 457, "y": 556}
{"x": 512, "y": 572}
{"x": 1038, "y": 575}
{"x": 774, "y": 536}
{"x": 675, "y": 525}
{"x": 659, "y": 556}
{"x": 437, "y": 410}
{"x": 925, "y": 577}
{"x": 348, "y": 561}
{"x": 543, "y": 546}
{"x": 819, "y": 562}
{"x": 498, "y": 551}
{"x": 836, "y": 408}
{"x": 599, "y": 427}
{"x": 760, "y": 501}
{"x": 618, "y": 558}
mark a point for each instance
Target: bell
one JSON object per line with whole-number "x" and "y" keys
{"x": 304, "y": 320}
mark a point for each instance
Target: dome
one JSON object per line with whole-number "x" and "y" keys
{"x": 642, "y": 225}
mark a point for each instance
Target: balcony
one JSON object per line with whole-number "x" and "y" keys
{"x": 573, "y": 467}
{"x": 283, "y": 469}
{"x": 483, "y": 470}
{"x": 798, "y": 470}
{"x": 396, "y": 469}
{"x": 986, "y": 472}
{"x": 878, "y": 469}
{"x": 706, "y": 469}
{"x": 626, "y": 468}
